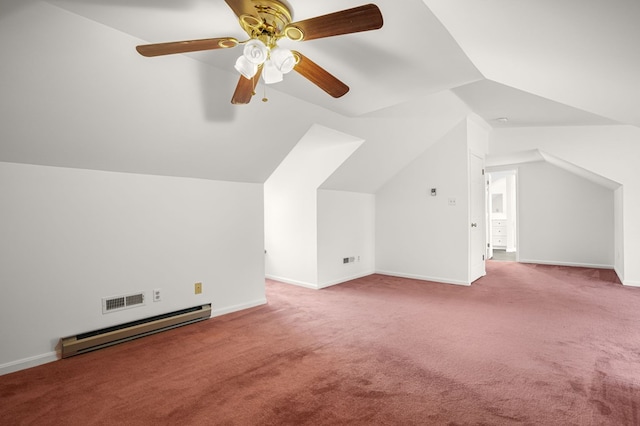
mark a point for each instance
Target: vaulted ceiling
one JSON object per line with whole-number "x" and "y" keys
{"x": 75, "y": 93}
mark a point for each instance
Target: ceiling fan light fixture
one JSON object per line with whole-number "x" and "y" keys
{"x": 270, "y": 73}
{"x": 283, "y": 59}
{"x": 255, "y": 51}
{"x": 245, "y": 67}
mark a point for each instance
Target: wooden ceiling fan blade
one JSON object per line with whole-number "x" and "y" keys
{"x": 245, "y": 89}
{"x": 319, "y": 76}
{"x": 170, "y": 48}
{"x": 362, "y": 18}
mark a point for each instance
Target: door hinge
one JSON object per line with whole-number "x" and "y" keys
{"x": 483, "y": 257}
{"x": 482, "y": 172}
{"x": 488, "y": 244}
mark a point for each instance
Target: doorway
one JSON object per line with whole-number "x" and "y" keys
{"x": 502, "y": 215}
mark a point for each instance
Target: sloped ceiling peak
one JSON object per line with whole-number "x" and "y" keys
{"x": 580, "y": 53}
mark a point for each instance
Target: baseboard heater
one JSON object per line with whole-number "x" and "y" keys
{"x": 93, "y": 340}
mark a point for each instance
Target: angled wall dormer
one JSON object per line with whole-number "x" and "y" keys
{"x": 295, "y": 209}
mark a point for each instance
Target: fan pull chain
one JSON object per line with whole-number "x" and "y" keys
{"x": 264, "y": 93}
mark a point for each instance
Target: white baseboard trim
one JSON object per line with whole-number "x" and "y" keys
{"x": 23, "y": 364}
{"x": 423, "y": 278}
{"x": 576, "y": 264}
{"x": 294, "y": 282}
{"x": 345, "y": 279}
{"x": 235, "y": 308}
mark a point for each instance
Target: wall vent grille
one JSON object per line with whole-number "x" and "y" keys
{"x": 118, "y": 303}
{"x": 135, "y": 299}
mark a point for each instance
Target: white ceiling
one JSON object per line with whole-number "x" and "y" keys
{"x": 76, "y": 94}
{"x": 578, "y": 54}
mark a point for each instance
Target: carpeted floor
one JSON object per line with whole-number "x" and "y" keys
{"x": 527, "y": 344}
{"x": 508, "y": 256}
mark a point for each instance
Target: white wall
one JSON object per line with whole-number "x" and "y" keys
{"x": 69, "y": 237}
{"x": 609, "y": 151}
{"x": 564, "y": 219}
{"x": 420, "y": 236}
{"x": 346, "y": 228}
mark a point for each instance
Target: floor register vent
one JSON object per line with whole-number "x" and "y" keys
{"x": 93, "y": 340}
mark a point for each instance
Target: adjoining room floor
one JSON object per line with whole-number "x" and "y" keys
{"x": 504, "y": 255}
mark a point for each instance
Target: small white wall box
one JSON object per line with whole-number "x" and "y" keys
{"x": 433, "y": 192}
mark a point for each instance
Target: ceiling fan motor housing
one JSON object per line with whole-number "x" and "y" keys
{"x": 269, "y": 21}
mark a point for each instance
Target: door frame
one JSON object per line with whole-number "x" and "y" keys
{"x": 513, "y": 170}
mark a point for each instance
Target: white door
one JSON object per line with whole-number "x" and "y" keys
{"x": 477, "y": 214}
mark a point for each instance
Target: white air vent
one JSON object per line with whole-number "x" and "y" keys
{"x": 118, "y": 303}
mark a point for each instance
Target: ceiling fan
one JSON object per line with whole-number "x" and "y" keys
{"x": 266, "y": 22}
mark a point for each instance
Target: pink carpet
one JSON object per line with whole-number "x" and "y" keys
{"x": 527, "y": 344}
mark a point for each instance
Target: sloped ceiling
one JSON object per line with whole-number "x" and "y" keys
{"x": 579, "y": 53}
{"x": 76, "y": 94}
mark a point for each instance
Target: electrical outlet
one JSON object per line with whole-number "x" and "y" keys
{"x": 197, "y": 288}
{"x": 157, "y": 294}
